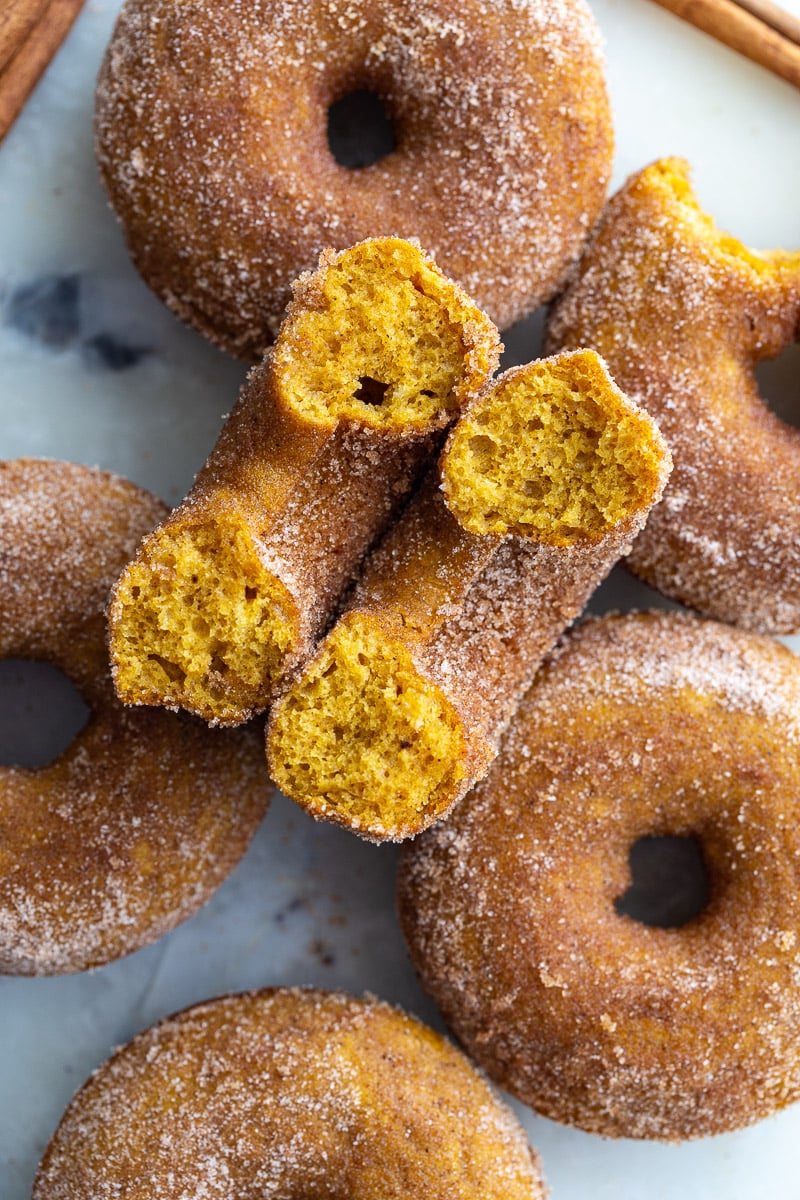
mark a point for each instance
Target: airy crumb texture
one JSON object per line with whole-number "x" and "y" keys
{"x": 285, "y": 1094}
{"x": 378, "y": 352}
{"x": 683, "y": 313}
{"x": 364, "y": 739}
{"x": 380, "y": 338}
{"x": 654, "y": 724}
{"x": 553, "y": 451}
{"x": 200, "y": 624}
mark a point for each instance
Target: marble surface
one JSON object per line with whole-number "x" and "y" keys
{"x": 92, "y": 368}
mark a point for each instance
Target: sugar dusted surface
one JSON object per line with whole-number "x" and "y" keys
{"x": 227, "y": 189}
{"x": 158, "y": 421}
{"x": 476, "y": 614}
{"x": 285, "y": 1094}
{"x": 683, "y": 314}
{"x": 143, "y": 816}
{"x": 654, "y": 724}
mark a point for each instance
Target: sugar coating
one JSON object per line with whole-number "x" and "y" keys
{"x": 645, "y": 724}
{"x": 682, "y": 313}
{"x": 287, "y": 1094}
{"x": 211, "y": 137}
{"x": 378, "y": 353}
{"x": 402, "y": 707}
{"x": 136, "y": 824}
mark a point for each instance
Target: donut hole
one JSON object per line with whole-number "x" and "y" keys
{"x": 384, "y": 341}
{"x": 370, "y": 391}
{"x": 43, "y": 713}
{"x": 778, "y": 381}
{"x": 555, "y": 453}
{"x": 365, "y": 735}
{"x": 360, "y": 129}
{"x": 669, "y": 881}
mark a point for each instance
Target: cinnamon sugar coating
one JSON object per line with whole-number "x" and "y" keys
{"x": 683, "y": 313}
{"x": 638, "y": 725}
{"x": 402, "y": 707}
{"x": 378, "y": 353}
{"x": 288, "y": 1094}
{"x": 134, "y": 826}
{"x": 211, "y": 123}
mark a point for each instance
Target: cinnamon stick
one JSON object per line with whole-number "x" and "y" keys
{"x": 732, "y": 25}
{"x": 17, "y": 19}
{"x": 25, "y": 65}
{"x": 776, "y": 18}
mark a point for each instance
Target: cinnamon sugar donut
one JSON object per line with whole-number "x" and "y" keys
{"x": 683, "y": 313}
{"x": 211, "y": 136}
{"x": 378, "y": 353}
{"x": 291, "y": 1094}
{"x": 544, "y": 481}
{"x": 134, "y": 826}
{"x": 645, "y": 724}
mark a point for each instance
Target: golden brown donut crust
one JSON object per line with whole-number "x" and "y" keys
{"x": 682, "y": 313}
{"x": 211, "y": 138}
{"x": 646, "y": 724}
{"x": 144, "y": 815}
{"x": 288, "y": 1094}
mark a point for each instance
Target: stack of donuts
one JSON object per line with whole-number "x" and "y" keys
{"x": 365, "y": 599}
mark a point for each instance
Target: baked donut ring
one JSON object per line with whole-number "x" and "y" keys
{"x": 135, "y": 825}
{"x": 378, "y": 353}
{"x": 645, "y": 724}
{"x": 289, "y": 1093}
{"x": 212, "y": 142}
{"x": 683, "y": 313}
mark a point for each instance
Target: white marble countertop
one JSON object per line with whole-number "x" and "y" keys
{"x": 93, "y": 369}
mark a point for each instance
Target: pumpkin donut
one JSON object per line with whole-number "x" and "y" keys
{"x": 211, "y": 127}
{"x": 144, "y": 815}
{"x": 378, "y": 353}
{"x": 645, "y": 724}
{"x": 542, "y": 484}
{"x": 682, "y": 313}
{"x": 288, "y": 1093}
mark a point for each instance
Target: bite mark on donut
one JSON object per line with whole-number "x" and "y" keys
{"x": 683, "y": 313}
